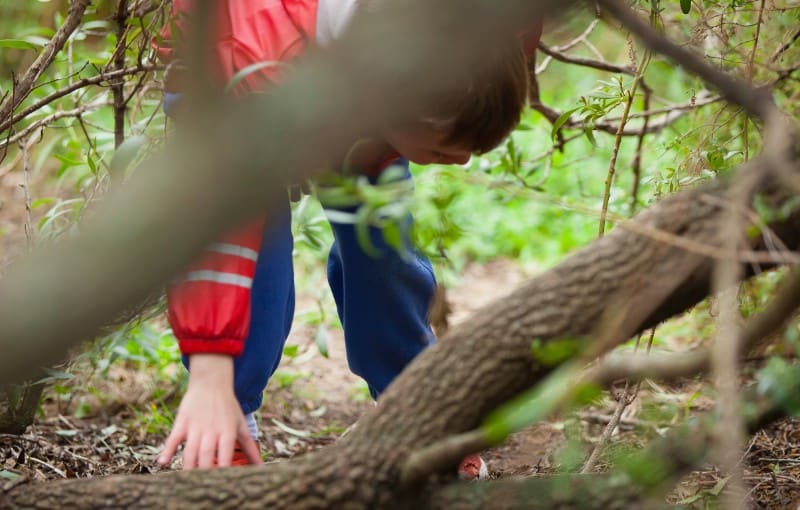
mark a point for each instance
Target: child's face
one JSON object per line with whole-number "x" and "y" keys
{"x": 424, "y": 144}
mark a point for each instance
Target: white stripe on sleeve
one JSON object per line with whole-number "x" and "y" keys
{"x": 218, "y": 277}
{"x": 234, "y": 249}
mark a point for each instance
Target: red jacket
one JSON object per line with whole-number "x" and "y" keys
{"x": 209, "y": 305}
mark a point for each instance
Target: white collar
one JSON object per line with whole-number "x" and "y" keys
{"x": 333, "y": 16}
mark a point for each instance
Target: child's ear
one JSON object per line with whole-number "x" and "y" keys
{"x": 530, "y": 37}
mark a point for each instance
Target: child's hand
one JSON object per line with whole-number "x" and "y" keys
{"x": 209, "y": 419}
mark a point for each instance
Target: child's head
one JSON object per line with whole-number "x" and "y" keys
{"x": 472, "y": 120}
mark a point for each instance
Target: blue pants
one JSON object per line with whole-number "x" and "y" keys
{"x": 382, "y": 304}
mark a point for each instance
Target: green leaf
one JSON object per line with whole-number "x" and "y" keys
{"x": 17, "y": 44}
{"x": 290, "y": 430}
{"x": 589, "y": 132}
{"x": 68, "y": 161}
{"x": 779, "y": 380}
{"x": 321, "y": 339}
{"x": 55, "y": 375}
{"x": 9, "y": 475}
{"x": 290, "y": 351}
{"x": 362, "y": 232}
{"x": 560, "y": 121}
{"x": 92, "y": 164}
{"x": 42, "y": 201}
{"x": 247, "y": 71}
{"x": 559, "y": 389}
{"x": 717, "y": 489}
{"x": 393, "y": 236}
{"x": 392, "y": 174}
{"x": 126, "y": 153}
{"x": 555, "y": 352}
{"x": 686, "y": 6}
{"x": 646, "y": 469}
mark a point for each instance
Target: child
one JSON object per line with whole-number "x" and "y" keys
{"x": 232, "y": 311}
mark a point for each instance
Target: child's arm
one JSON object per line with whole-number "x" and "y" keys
{"x": 209, "y": 419}
{"x": 209, "y": 310}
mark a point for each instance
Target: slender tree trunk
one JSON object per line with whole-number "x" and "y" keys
{"x": 18, "y": 407}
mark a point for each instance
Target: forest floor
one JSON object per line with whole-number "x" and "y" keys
{"x": 99, "y": 425}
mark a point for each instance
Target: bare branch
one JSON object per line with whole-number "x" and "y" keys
{"x": 586, "y": 62}
{"x": 637, "y": 156}
{"x": 670, "y": 367}
{"x": 571, "y": 44}
{"x": 79, "y": 84}
{"x": 780, "y": 51}
{"x": 440, "y": 456}
{"x": 75, "y": 112}
{"x": 700, "y": 99}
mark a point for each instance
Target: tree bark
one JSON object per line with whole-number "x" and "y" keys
{"x": 453, "y": 385}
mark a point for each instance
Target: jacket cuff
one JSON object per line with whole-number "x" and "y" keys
{"x": 228, "y": 346}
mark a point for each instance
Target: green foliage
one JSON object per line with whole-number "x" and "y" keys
{"x": 559, "y": 391}
{"x": 286, "y": 378}
{"x": 645, "y": 470}
{"x": 779, "y": 381}
{"x": 155, "y": 419}
{"x": 556, "y": 351}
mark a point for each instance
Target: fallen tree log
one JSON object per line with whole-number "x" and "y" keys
{"x": 635, "y": 273}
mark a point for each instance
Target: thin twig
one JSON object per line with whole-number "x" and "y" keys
{"x": 624, "y": 423}
{"x": 749, "y": 70}
{"x": 55, "y": 470}
{"x": 45, "y": 58}
{"x": 627, "y": 397}
{"x": 783, "y": 305}
{"x": 669, "y": 114}
{"x": 442, "y": 455}
{"x": 756, "y": 102}
{"x": 586, "y": 62}
{"x": 571, "y": 44}
{"x": 700, "y": 99}
{"x": 637, "y": 157}
{"x": 76, "y": 85}
{"x": 631, "y": 94}
{"x": 26, "y": 189}
{"x": 52, "y": 118}
{"x": 780, "y": 51}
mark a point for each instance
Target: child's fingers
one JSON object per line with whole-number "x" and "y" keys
{"x": 174, "y": 440}
{"x": 190, "y": 450}
{"x": 207, "y": 450}
{"x": 249, "y": 446}
{"x": 225, "y": 450}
